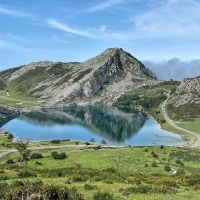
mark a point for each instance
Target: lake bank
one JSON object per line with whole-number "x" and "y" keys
{"x": 118, "y": 126}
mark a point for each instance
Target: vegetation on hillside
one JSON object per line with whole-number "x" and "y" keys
{"x": 186, "y": 112}
{"x": 88, "y": 173}
{"x": 147, "y": 100}
{"x": 3, "y": 84}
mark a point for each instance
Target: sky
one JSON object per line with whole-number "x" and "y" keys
{"x": 163, "y": 34}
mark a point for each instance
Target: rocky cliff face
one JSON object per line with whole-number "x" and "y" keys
{"x": 187, "y": 92}
{"x": 101, "y": 79}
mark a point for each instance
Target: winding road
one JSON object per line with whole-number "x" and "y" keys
{"x": 171, "y": 123}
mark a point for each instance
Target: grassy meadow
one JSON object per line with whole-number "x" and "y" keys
{"x": 157, "y": 172}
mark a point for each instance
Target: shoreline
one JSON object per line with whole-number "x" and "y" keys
{"x": 17, "y": 112}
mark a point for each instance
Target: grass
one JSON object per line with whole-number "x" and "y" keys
{"x": 118, "y": 171}
{"x": 20, "y": 97}
{"x": 191, "y": 126}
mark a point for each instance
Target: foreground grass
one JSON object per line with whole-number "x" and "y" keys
{"x": 136, "y": 173}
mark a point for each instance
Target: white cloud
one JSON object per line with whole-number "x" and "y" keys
{"x": 100, "y": 32}
{"x": 174, "y": 69}
{"x": 63, "y": 27}
{"x": 106, "y": 4}
{"x": 174, "y": 18}
{"x": 15, "y": 13}
{"x": 103, "y": 28}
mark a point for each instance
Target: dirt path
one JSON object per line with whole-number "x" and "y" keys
{"x": 171, "y": 123}
{"x": 18, "y": 100}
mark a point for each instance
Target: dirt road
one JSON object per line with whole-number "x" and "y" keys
{"x": 171, "y": 123}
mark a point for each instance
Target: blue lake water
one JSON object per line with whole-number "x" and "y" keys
{"x": 115, "y": 125}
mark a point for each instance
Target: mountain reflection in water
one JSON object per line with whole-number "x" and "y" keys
{"x": 115, "y": 124}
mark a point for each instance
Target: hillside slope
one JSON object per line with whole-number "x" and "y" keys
{"x": 101, "y": 79}
{"x": 185, "y": 101}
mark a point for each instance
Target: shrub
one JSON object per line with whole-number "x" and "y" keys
{"x": 97, "y": 147}
{"x": 146, "y": 150}
{"x": 10, "y": 161}
{"x": 38, "y": 163}
{"x": 4, "y": 177}
{"x": 154, "y": 164}
{"x": 167, "y": 168}
{"x": 90, "y": 187}
{"x": 103, "y": 196}
{"x": 27, "y": 173}
{"x": 154, "y": 154}
{"x": 36, "y": 156}
{"x": 180, "y": 171}
{"x": 103, "y": 142}
{"x": 179, "y": 162}
{"x": 58, "y": 156}
{"x": 55, "y": 141}
{"x": 162, "y": 147}
{"x": 87, "y": 143}
{"x": 10, "y": 136}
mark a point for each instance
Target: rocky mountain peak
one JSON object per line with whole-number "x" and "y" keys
{"x": 101, "y": 79}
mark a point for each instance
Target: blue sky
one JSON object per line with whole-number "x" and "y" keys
{"x": 154, "y": 31}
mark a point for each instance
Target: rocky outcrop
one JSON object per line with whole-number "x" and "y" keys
{"x": 8, "y": 111}
{"x": 187, "y": 92}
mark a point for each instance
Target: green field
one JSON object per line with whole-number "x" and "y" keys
{"x": 192, "y": 126}
{"x": 16, "y": 97}
{"x": 135, "y": 173}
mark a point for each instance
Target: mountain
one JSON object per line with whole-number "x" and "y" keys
{"x": 185, "y": 101}
{"x": 101, "y": 79}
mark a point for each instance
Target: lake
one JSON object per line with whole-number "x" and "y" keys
{"x": 119, "y": 126}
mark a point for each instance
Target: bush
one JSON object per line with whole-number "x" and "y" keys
{"x": 167, "y": 168}
{"x": 154, "y": 164}
{"x": 154, "y": 154}
{"x": 102, "y": 196}
{"x": 179, "y": 162}
{"x": 36, "y": 156}
{"x": 180, "y": 171}
{"x": 90, "y": 187}
{"x": 58, "y": 156}
{"x": 10, "y": 136}
{"x": 38, "y": 163}
{"x": 87, "y": 143}
{"x": 10, "y": 161}
{"x": 162, "y": 147}
{"x": 27, "y": 173}
{"x": 55, "y": 141}
{"x": 97, "y": 147}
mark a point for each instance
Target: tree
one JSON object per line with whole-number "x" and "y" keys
{"x": 103, "y": 141}
{"x": 22, "y": 148}
{"x": 92, "y": 140}
{"x": 3, "y": 84}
